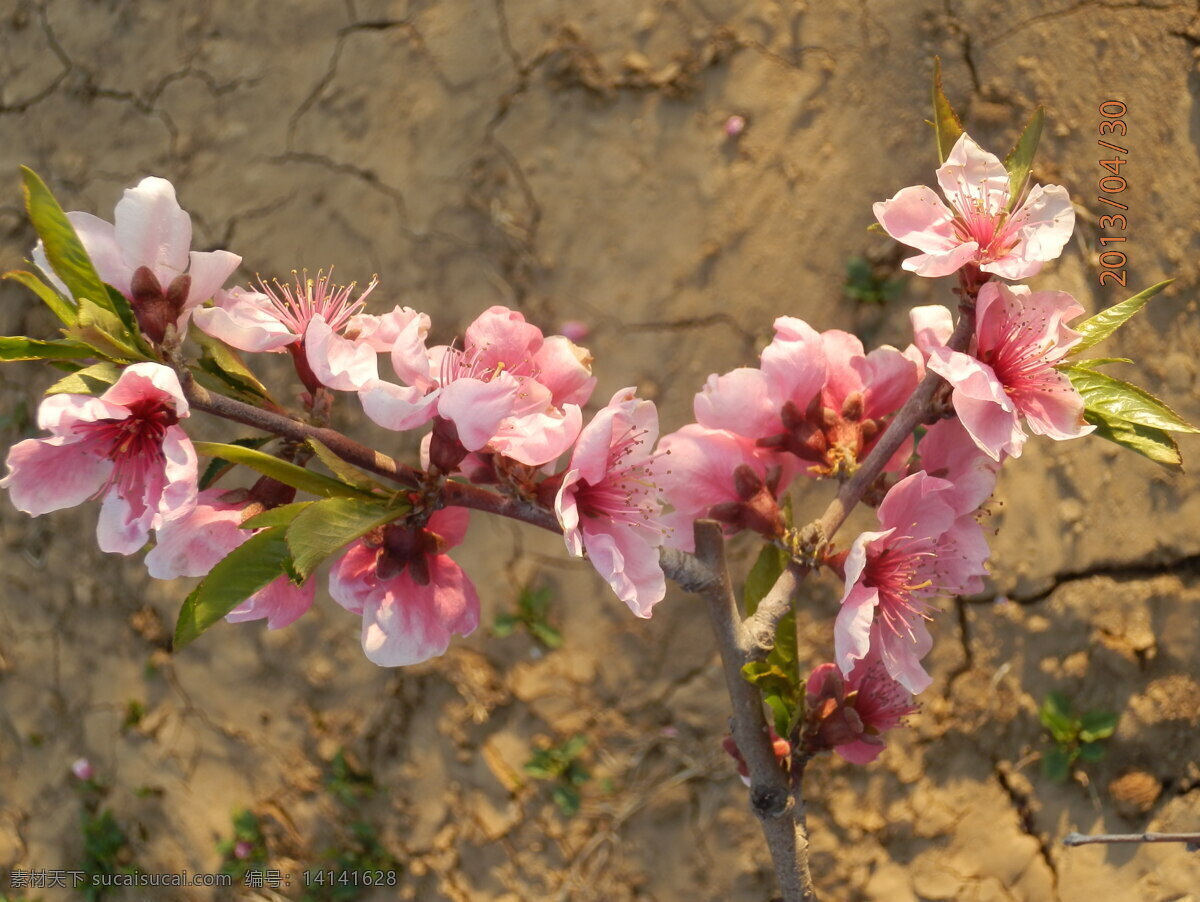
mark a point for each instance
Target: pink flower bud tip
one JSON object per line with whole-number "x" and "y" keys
{"x": 242, "y": 850}
{"x": 734, "y": 126}
{"x": 82, "y": 769}
{"x": 574, "y": 329}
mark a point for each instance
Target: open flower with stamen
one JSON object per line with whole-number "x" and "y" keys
{"x": 412, "y": 596}
{"x": 608, "y": 504}
{"x": 191, "y": 545}
{"x": 981, "y": 226}
{"x": 851, "y": 714}
{"x": 145, "y": 254}
{"x": 124, "y": 446}
{"x": 924, "y": 549}
{"x": 1020, "y": 336}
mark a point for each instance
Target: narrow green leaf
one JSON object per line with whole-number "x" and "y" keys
{"x": 327, "y": 526}
{"x": 61, "y": 307}
{"x": 276, "y": 516}
{"x": 1116, "y": 399}
{"x": 64, "y": 250}
{"x": 217, "y": 467}
{"x": 1090, "y": 752}
{"x": 505, "y": 625}
{"x": 287, "y": 473}
{"x": 249, "y": 567}
{"x": 1056, "y": 764}
{"x": 768, "y": 567}
{"x": 1097, "y": 725}
{"x": 546, "y": 634}
{"x": 1096, "y": 362}
{"x": 104, "y": 331}
{"x": 1106, "y": 322}
{"x": 1020, "y": 159}
{"x": 782, "y": 713}
{"x": 346, "y": 472}
{"x": 91, "y": 380}
{"x": 945, "y": 120}
{"x": 1147, "y": 441}
{"x": 16, "y": 347}
{"x": 226, "y": 365}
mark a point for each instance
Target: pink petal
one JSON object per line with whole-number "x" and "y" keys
{"x": 948, "y": 452}
{"x": 406, "y": 623}
{"x": 981, "y": 403}
{"x": 500, "y": 335}
{"x": 933, "y": 266}
{"x": 1055, "y": 409}
{"x": 932, "y": 326}
{"x": 410, "y": 359}
{"x": 451, "y": 524}
{"x": 281, "y": 602}
{"x": 209, "y": 271}
{"x": 397, "y": 407}
{"x": 888, "y": 377}
{"x": 100, "y": 240}
{"x": 565, "y": 369}
{"x": 844, "y": 377}
{"x": 64, "y": 414}
{"x": 974, "y": 179}
{"x": 794, "y": 362}
{"x": 901, "y": 654}
{"x": 852, "y": 627}
{"x": 1041, "y": 229}
{"x": 180, "y": 471}
{"x": 917, "y": 217}
{"x": 567, "y": 511}
{"x": 352, "y": 578}
{"x": 244, "y": 320}
{"x": 740, "y": 402}
{"x": 195, "y": 542}
{"x": 125, "y": 521}
{"x": 539, "y": 438}
{"x": 477, "y": 408}
{"x": 918, "y": 506}
{"x": 144, "y": 381}
{"x": 152, "y": 229}
{"x": 627, "y": 558}
{"x": 338, "y": 362}
{"x": 54, "y": 473}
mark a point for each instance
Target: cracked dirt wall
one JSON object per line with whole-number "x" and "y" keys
{"x": 569, "y": 159}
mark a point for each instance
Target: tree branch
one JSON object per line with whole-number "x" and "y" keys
{"x": 780, "y": 814}
{"x": 1083, "y": 839}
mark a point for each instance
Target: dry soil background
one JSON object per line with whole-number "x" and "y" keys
{"x": 569, "y": 159}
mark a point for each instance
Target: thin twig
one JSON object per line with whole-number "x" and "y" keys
{"x": 1084, "y": 839}
{"x": 781, "y": 815}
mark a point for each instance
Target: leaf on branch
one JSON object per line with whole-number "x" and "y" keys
{"x": 281, "y": 470}
{"x": 227, "y": 368}
{"x": 1019, "y": 161}
{"x": 17, "y": 347}
{"x": 66, "y": 253}
{"x": 1106, "y": 322}
{"x": 779, "y": 676}
{"x": 1116, "y": 399}
{"x": 276, "y": 516}
{"x": 218, "y": 467}
{"x": 945, "y": 120}
{"x": 325, "y": 527}
{"x": 346, "y": 472}
{"x": 91, "y": 380}
{"x": 59, "y": 306}
{"x": 1147, "y": 441}
{"x": 252, "y": 565}
{"x": 103, "y": 330}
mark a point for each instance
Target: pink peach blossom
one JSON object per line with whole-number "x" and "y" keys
{"x": 608, "y": 504}
{"x": 124, "y": 446}
{"x": 150, "y": 230}
{"x": 1010, "y": 373}
{"x": 924, "y": 549}
{"x": 411, "y": 596}
{"x": 948, "y": 452}
{"x": 978, "y": 228}
{"x": 851, "y": 715}
{"x": 191, "y": 545}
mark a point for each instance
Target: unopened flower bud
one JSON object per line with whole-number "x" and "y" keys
{"x": 82, "y": 769}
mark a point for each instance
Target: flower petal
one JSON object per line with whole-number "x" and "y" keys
{"x": 153, "y": 230}
{"x": 54, "y": 473}
{"x": 407, "y": 623}
{"x": 280, "y": 602}
{"x": 917, "y": 217}
{"x": 243, "y": 319}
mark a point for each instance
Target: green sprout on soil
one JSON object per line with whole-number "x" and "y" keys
{"x": 561, "y": 764}
{"x": 867, "y": 286}
{"x": 1076, "y": 737}
{"x": 333, "y": 879}
{"x": 346, "y": 782}
{"x": 134, "y": 712}
{"x": 105, "y": 851}
{"x": 533, "y": 610}
{"x": 246, "y": 849}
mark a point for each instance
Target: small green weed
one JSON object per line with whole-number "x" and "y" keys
{"x": 246, "y": 849}
{"x": 1076, "y": 736}
{"x": 533, "y": 610}
{"x": 106, "y": 852}
{"x": 561, "y": 765}
{"x": 866, "y": 285}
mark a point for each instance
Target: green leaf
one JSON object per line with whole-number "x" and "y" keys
{"x": 16, "y": 347}
{"x": 768, "y": 567}
{"x": 276, "y": 516}
{"x": 225, "y": 365}
{"x": 66, "y": 253}
{"x": 1057, "y": 717}
{"x": 62, "y": 308}
{"x": 567, "y": 799}
{"x": 104, "y": 331}
{"x": 1020, "y": 159}
{"x": 546, "y": 634}
{"x": 782, "y": 713}
{"x": 1056, "y": 764}
{"x": 1096, "y": 362}
{"x": 1095, "y": 725}
{"x": 1091, "y": 753}
{"x": 91, "y": 380}
{"x": 1116, "y": 399}
{"x": 281, "y": 470}
{"x": 346, "y": 472}
{"x": 327, "y": 526}
{"x": 1147, "y": 441}
{"x": 505, "y": 625}
{"x": 253, "y": 564}
{"x": 945, "y": 120}
{"x": 217, "y": 467}
{"x": 1106, "y": 322}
